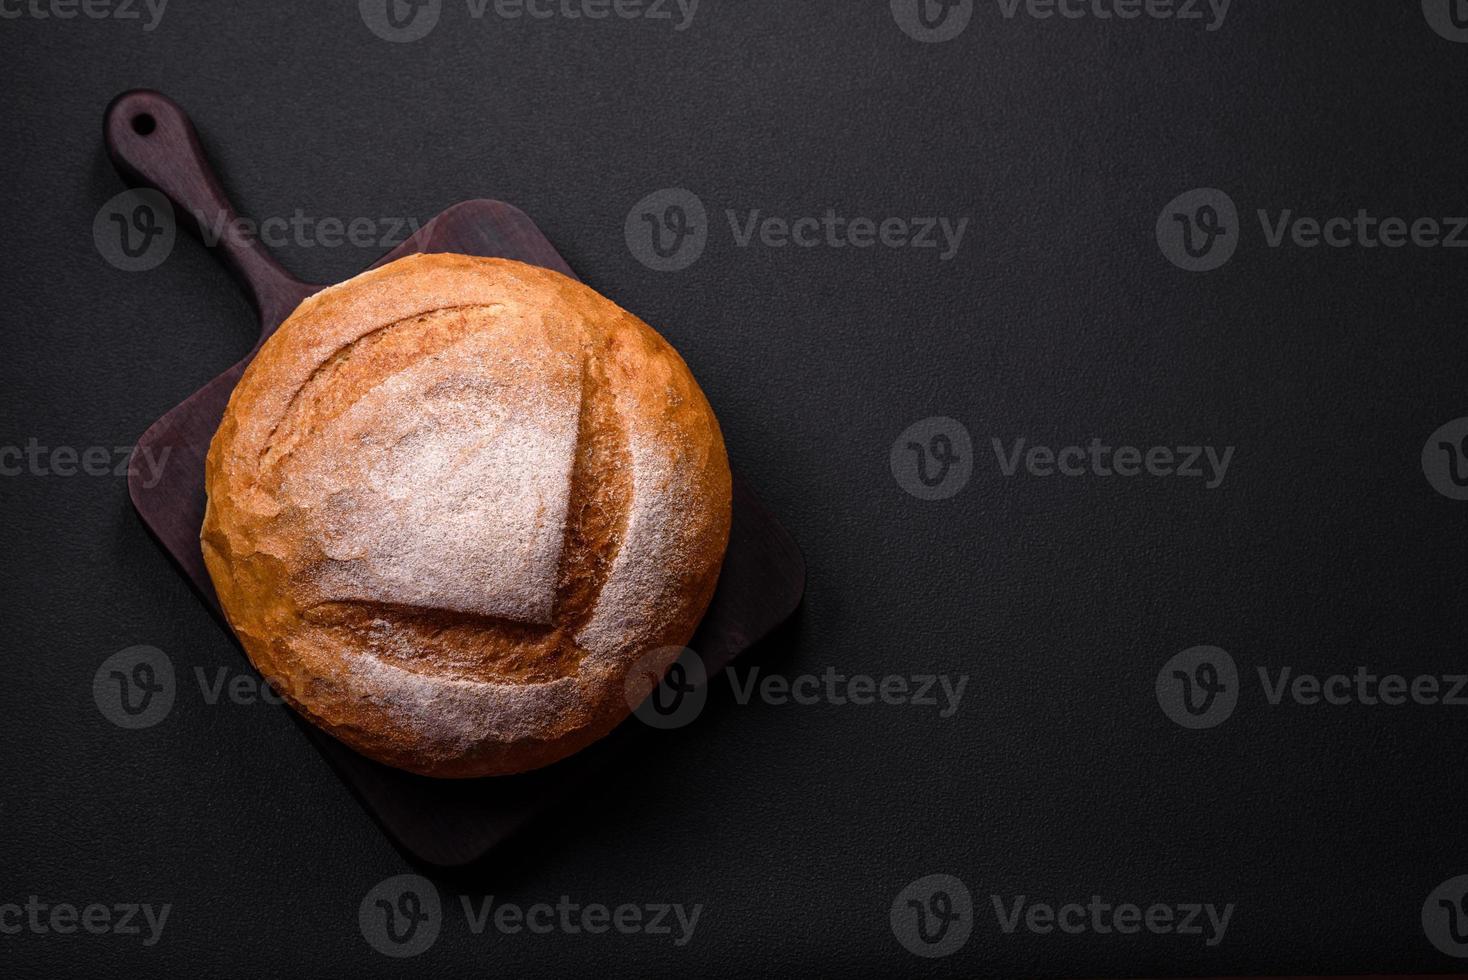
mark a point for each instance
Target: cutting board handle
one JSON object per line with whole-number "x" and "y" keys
{"x": 153, "y": 143}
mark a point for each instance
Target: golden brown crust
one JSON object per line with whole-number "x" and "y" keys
{"x": 451, "y": 503}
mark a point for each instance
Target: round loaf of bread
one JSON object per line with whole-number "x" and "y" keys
{"x": 453, "y": 501}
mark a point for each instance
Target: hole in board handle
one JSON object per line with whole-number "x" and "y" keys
{"x": 144, "y": 123}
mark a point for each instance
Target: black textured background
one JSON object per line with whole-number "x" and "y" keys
{"x": 1059, "y": 320}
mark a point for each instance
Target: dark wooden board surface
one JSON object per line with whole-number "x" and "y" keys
{"x": 443, "y": 822}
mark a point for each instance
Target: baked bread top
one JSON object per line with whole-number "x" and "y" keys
{"x": 453, "y": 501}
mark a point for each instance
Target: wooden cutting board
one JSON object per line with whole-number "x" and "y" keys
{"x": 443, "y": 822}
